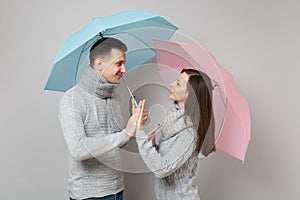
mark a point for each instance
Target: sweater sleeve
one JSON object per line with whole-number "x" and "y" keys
{"x": 164, "y": 165}
{"x": 80, "y": 146}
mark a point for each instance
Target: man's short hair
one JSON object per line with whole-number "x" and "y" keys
{"x": 103, "y": 46}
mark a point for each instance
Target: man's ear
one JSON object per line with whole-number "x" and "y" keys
{"x": 98, "y": 64}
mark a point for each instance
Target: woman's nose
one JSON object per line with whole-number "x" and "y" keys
{"x": 172, "y": 85}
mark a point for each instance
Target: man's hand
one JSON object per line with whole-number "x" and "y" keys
{"x": 142, "y": 116}
{"x": 133, "y": 121}
{"x": 137, "y": 119}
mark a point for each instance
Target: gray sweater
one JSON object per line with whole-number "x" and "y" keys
{"x": 175, "y": 162}
{"x": 93, "y": 133}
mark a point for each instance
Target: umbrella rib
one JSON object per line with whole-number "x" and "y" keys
{"x": 220, "y": 91}
{"x": 98, "y": 36}
{"x": 82, "y": 50}
{"x": 133, "y": 37}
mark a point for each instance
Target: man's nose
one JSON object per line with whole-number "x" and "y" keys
{"x": 123, "y": 69}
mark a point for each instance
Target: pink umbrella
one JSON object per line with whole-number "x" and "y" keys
{"x": 232, "y": 116}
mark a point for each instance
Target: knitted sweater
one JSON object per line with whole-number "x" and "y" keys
{"x": 92, "y": 126}
{"x": 174, "y": 163}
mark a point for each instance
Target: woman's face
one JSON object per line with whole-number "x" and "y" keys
{"x": 179, "y": 91}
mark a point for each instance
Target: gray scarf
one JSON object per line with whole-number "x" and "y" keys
{"x": 99, "y": 87}
{"x": 175, "y": 122}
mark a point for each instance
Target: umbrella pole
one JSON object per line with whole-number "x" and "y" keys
{"x": 135, "y": 103}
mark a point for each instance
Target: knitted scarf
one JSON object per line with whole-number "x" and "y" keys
{"x": 99, "y": 87}
{"x": 174, "y": 123}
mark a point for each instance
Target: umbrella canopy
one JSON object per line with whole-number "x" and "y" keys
{"x": 235, "y": 134}
{"x": 231, "y": 112}
{"x": 137, "y": 29}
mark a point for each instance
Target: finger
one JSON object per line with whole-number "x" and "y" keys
{"x": 144, "y": 120}
{"x": 140, "y": 104}
{"x": 143, "y": 102}
{"x": 141, "y": 114}
{"x": 142, "y": 109}
{"x": 145, "y": 117}
{"x": 132, "y": 106}
{"x": 135, "y": 113}
{"x": 145, "y": 113}
{"x": 136, "y": 108}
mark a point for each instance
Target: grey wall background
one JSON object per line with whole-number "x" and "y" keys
{"x": 258, "y": 40}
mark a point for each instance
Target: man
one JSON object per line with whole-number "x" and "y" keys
{"x": 93, "y": 127}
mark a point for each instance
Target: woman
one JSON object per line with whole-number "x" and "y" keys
{"x": 187, "y": 132}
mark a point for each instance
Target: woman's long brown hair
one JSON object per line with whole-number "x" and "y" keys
{"x": 198, "y": 106}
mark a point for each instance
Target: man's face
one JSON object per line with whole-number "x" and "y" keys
{"x": 111, "y": 66}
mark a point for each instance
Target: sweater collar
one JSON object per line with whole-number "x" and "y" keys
{"x": 96, "y": 84}
{"x": 175, "y": 122}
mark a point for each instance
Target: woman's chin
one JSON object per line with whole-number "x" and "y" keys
{"x": 171, "y": 97}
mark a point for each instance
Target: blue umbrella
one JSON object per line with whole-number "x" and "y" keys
{"x": 137, "y": 29}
